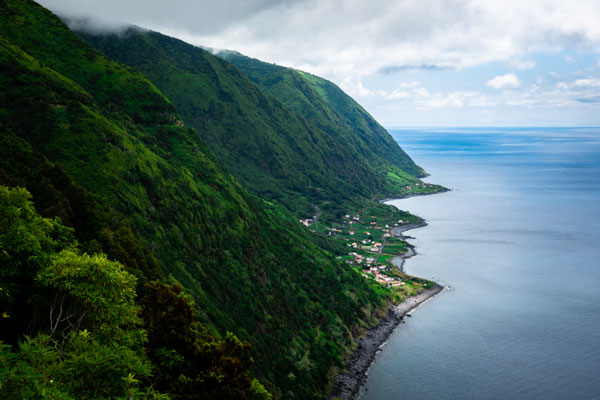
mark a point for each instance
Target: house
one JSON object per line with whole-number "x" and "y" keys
{"x": 351, "y": 233}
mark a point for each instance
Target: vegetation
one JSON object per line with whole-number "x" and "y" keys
{"x": 326, "y": 106}
{"x": 123, "y": 193}
{"x": 80, "y": 334}
{"x": 299, "y": 141}
{"x": 365, "y": 240}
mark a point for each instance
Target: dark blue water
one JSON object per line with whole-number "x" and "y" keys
{"x": 518, "y": 242}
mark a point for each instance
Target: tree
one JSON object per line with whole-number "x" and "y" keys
{"x": 191, "y": 363}
{"x": 27, "y": 241}
{"x": 92, "y": 293}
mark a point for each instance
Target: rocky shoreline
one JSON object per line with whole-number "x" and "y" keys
{"x": 347, "y": 384}
{"x": 399, "y": 260}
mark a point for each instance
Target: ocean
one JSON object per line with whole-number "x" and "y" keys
{"x": 517, "y": 242}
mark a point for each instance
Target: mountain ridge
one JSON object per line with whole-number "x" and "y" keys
{"x": 249, "y": 265}
{"x": 301, "y": 158}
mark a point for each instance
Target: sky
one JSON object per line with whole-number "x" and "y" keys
{"x": 408, "y": 62}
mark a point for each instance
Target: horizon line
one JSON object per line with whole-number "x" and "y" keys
{"x": 495, "y": 126}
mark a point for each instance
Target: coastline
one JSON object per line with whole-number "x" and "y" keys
{"x": 408, "y": 196}
{"x": 400, "y": 259}
{"x": 347, "y": 384}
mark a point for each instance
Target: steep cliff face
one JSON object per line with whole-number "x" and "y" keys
{"x": 101, "y": 147}
{"x": 327, "y": 106}
{"x": 286, "y": 135}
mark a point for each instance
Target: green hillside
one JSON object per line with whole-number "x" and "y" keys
{"x": 327, "y": 106}
{"x": 101, "y": 148}
{"x": 302, "y": 144}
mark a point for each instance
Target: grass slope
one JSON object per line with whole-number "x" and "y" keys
{"x": 300, "y": 153}
{"x": 251, "y": 268}
{"x": 327, "y": 106}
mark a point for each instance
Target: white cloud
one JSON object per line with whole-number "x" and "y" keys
{"x": 579, "y": 94}
{"x": 353, "y": 41}
{"x": 354, "y": 87}
{"x": 341, "y": 38}
{"x": 398, "y": 94}
{"x": 504, "y": 81}
{"x": 522, "y": 64}
{"x": 589, "y": 82}
{"x": 415, "y": 95}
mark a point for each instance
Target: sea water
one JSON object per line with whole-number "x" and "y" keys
{"x": 517, "y": 243}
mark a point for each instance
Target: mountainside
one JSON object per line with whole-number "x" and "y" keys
{"x": 327, "y": 106}
{"x": 304, "y": 144}
{"x": 99, "y": 146}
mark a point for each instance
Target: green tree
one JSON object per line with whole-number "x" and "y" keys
{"x": 83, "y": 369}
{"x": 27, "y": 242}
{"x": 190, "y": 363}
{"x": 93, "y": 293}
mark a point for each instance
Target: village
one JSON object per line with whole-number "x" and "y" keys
{"x": 370, "y": 245}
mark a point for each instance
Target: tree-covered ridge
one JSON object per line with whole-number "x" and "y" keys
{"x": 287, "y": 142}
{"x": 139, "y": 186}
{"x": 327, "y": 106}
{"x": 79, "y": 332}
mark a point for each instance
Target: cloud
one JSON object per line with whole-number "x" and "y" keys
{"x": 547, "y": 95}
{"x": 574, "y": 94}
{"x": 340, "y": 38}
{"x": 415, "y": 95}
{"x": 382, "y": 42}
{"x": 397, "y": 68}
{"x": 504, "y": 81}
{"x": 96, "y": 25}
{"x": 188, "y": 16}
{"x": 522, "y": 64}
{"x": 588, "y": 82}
